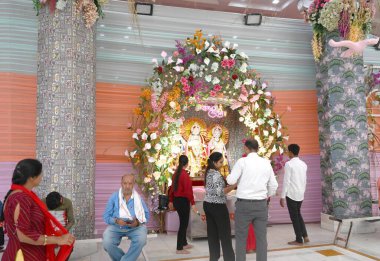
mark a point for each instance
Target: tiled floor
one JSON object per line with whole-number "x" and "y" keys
{"x": 161, "y": 247}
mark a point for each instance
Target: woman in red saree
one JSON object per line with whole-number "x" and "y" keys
{"x": 33, "y": 232}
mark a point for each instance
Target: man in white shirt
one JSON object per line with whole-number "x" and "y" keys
{"x": 255, "y": 183}
{"x": 293, "y": 190}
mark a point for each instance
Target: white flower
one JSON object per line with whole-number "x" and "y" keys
{"x": 126, "y": 153}
{"x": 170, "y": 60}
{"x": 260, "y": 121}
{"x": 263, "y": 86}
{"x": 206, "y": 61}
{"x": 266, "y": 133}
{"x": 224, "y": 50}
{"x": 133, "y": 153}
{"x": 157, "y": 175}
{"x": 151, "y": 159}
{"x": 227, "y": 44}
{"x": 233, "y": 56}
{"x": 178, "y": 68}
{"x": 154, "y": 60}
{"x": 179, "y": 61}
{"x": 61, "y": 4}
{"x": 144, "y": 136}
{"x": 247, "y": 81}
{"x": 193, "y": 67}
{"x": 215, "y": 80}
{"x": 135, "y": 136}
{"x": 147, "y": 146}
{"x": 241, "y": 119}
{"x": 243, "y": 68}
{"x": 147, "y": 180}
{"x": 207, "y": 44}
{"x": 158, "y": 146}
{"x": 153, "y": 136}
{"x": 175, "y": 150}
{"x": 198, "y": 51}
{"x": 208, "y": 78}
{"x": 234, "y": 46}
{"x": 163, "y": 54}
{"x": 242, "y": 54}
{"x": 237, "y": 84}
{"x": 214, "y": 67}
{"x": 267, "y": 112}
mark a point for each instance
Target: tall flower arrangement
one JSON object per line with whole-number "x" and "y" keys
{"x": 91, "y": 9}
{"x": 201, "y": 71}
{"x": 352, "y": 18}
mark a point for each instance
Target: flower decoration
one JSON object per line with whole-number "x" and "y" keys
{"x": 205, "y": 74}
{"x": 91, "y": 9}
{"x": 351, "y": 19}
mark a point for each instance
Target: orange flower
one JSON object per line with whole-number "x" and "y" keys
{"x": 137, "y": 111}
{"x": 146, "y": 114}
{"x": 146, "y": 94}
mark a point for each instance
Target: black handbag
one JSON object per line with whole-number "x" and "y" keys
{"x": 163, "y": 202}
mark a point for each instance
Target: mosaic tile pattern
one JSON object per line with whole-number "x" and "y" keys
{"x": 343, "y": 135}
{"x": 66, "y": 111}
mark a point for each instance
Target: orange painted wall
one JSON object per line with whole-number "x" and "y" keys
{"x": 114, "y": 106}
{"x": 302, "y": 120}
{"x": 17, "y": 116}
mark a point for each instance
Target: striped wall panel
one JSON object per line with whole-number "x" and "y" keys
{"x": 312, "y": 204}
{"x": 17, "y": 116}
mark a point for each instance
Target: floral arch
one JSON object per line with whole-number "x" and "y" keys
{"x": 207, "y": 74}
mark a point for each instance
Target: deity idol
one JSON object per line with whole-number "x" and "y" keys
{"x": 196, "y": 150}
{"x": 218, "y": 144}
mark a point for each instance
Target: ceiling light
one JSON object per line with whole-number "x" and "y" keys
{"x": 235, "y": 37}
{"x": 129, "y": 27}
{"x": 275, "y": 2}
{"x": 102, "y": 25}
{"x": 126, "y": 37}
{"x": 102, "y": 35}
{"x": 144, "y": 9}
{"x": 252, "y": 19}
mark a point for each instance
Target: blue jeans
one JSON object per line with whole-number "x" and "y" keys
{"x": 113, "y": 235}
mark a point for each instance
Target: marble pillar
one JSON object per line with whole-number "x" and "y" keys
{"x": 66, "y": 111}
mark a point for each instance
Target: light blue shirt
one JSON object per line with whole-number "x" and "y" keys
{"x": 112, "y": 209}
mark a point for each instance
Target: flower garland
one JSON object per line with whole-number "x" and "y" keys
{"x": 92, "y": 9}
{"x": 351, "y": 19}
{"x": 201, "y": 73}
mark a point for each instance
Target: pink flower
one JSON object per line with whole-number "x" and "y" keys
{"x": 138, "y": 131}
{"x": 186, "y": 87}
{"x": 213, "y": 93}
{"x": 225, "y": 63}
{"x": 175, "y": 53}
{"x": 231, "y": 63}
{"x": 217, "y": 87}
{"x": 129, "y": 125}
{"x": 183, "y": 80}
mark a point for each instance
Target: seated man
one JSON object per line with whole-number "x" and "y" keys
{"x": 126, "y": 214}
{"x": 61, "y": 208}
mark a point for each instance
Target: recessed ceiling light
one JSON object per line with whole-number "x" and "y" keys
{"x": 102, "y": 35}
{"x": 101, "y": 47}
{"x": 129, "y": 27}
{"x": 123, "y": 49}
{"x": 235, "y": 37}
{"x": 102, "y": 25}
{"x": 126, "y": 37}
{"x": 275, "y": 2}
{"x": 209, "y": 35}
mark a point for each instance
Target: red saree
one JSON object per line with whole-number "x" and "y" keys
{"x": 52, "y": 228}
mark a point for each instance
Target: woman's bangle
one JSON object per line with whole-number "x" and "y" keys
{"x": 45, "y": 240}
